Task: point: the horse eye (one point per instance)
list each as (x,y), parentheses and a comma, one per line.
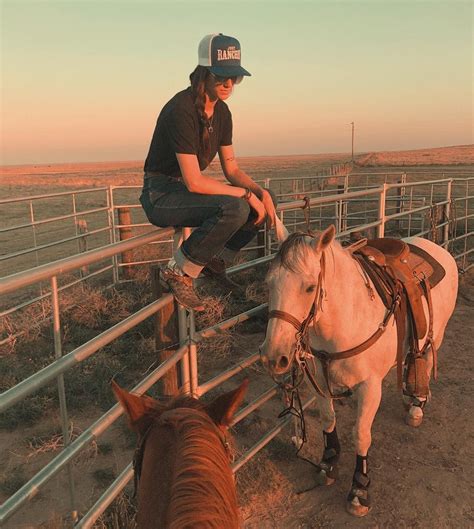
(311,288)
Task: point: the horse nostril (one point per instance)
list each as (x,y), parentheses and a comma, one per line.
(283,362)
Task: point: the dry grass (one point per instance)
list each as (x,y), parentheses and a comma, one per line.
(43,444)
(120,515)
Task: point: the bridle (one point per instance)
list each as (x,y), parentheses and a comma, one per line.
(303,350)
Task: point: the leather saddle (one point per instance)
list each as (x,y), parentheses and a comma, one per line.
(408,264)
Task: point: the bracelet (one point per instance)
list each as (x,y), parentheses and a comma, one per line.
(248,194)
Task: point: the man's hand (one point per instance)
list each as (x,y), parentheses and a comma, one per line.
(269,208)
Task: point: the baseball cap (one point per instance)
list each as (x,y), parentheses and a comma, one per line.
(221,55)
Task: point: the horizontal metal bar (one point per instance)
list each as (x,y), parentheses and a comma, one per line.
(266,439)
(415,184)
(259,401)
(68,285)
(228,373)
(51,244)
(223,325)
(54,219)
(129,206)
(32,487)
(463,236)
(133,263)
(463,199)
(48,373)
(249,264)
(415,210)
(40,273)
(464,253)
(358,228)
(106,499)
(324,200)
(52,195)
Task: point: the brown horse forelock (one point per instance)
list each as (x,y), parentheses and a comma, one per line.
(202,489)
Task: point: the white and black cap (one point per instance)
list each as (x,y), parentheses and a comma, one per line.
(221,55)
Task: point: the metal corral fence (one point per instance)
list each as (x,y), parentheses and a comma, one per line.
(391,210)
(42,228)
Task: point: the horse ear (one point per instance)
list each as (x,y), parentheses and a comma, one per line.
(136,407)
(222,409)
(325,238)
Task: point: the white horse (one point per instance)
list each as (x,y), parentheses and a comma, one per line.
(346,316)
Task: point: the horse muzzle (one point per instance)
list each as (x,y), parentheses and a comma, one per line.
(277,364)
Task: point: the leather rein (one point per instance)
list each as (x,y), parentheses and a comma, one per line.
(303,350)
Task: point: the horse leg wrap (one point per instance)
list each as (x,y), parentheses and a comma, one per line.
(332,449)
(360,482)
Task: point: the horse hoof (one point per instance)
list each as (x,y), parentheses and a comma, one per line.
(414,416)
(355,508)
(323,480)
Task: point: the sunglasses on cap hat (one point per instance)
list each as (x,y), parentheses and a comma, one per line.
(218,79)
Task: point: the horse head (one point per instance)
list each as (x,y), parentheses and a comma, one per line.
(182,462)
(295,287)
(143,410)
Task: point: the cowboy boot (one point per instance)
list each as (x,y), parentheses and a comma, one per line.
(181,286)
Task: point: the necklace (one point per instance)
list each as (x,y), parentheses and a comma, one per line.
(209,124)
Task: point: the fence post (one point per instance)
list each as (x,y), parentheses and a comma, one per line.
(401,194)
(183,326)
(58,353)
(112,234)
(381,217)
(81,226)
(125,232)
(166,335)
(447,213)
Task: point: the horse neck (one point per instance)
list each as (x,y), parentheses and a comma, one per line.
(192,479)
(337,321)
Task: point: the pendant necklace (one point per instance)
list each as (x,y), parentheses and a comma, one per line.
(209,124)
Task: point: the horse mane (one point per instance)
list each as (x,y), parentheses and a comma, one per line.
(202,489)
(294,251)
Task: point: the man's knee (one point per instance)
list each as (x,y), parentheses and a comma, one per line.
(236,210)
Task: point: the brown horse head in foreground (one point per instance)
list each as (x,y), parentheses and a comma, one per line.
(185,477)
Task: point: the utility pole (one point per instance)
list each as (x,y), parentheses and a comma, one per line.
(352,123)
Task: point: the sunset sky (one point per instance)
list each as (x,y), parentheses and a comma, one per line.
(85,80)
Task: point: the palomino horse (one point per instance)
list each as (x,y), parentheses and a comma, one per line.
(182,463)
(317,284)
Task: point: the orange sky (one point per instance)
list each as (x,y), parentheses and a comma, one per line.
(84,81)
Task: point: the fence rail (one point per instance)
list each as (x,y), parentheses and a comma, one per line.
(393,207)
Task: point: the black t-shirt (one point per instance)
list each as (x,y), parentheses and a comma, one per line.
(177,131)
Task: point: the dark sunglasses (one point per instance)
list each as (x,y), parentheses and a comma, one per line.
(236,79)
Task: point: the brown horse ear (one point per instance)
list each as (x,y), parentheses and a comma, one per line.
(325,239)
(222,409)
(136,407)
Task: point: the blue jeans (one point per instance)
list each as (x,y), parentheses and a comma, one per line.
(221,221)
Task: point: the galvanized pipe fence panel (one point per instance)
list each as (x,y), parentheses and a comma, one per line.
(189,340)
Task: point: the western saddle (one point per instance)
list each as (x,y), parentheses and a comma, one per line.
(403,273)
